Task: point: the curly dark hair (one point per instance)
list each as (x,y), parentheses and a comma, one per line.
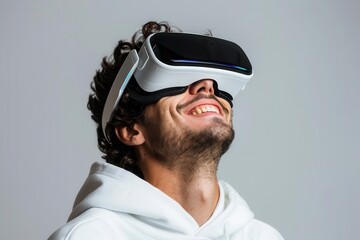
(128,111)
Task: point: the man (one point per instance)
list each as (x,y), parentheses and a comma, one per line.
(164,117)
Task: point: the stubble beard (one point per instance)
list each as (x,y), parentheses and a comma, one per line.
(190,152)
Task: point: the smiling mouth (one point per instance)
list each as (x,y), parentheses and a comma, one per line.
(204,109)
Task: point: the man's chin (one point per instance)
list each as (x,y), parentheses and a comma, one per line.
(221,130)
(211,123)
(217,138)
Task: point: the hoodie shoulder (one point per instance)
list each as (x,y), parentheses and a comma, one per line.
(245,226)
(90,225)
(258,230)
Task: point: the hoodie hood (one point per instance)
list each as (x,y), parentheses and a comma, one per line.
(115,189)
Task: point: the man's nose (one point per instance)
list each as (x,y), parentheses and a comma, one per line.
(203,86)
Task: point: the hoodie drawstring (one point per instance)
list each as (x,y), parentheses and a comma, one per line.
(226,231)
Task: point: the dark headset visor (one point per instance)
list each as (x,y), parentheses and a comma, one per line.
(201,51)
(141,96)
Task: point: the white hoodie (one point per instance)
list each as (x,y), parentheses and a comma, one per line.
(114,204)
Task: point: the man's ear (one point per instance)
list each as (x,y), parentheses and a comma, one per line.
(131,136)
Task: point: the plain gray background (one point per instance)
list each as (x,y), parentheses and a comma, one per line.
(296,155)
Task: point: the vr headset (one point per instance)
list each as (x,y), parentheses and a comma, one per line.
(168,63)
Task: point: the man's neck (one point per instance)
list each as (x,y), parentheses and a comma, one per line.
(197,194)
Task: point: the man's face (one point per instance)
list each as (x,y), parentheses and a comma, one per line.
(195,124)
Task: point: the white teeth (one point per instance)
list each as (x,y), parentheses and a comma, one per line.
(204,109)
